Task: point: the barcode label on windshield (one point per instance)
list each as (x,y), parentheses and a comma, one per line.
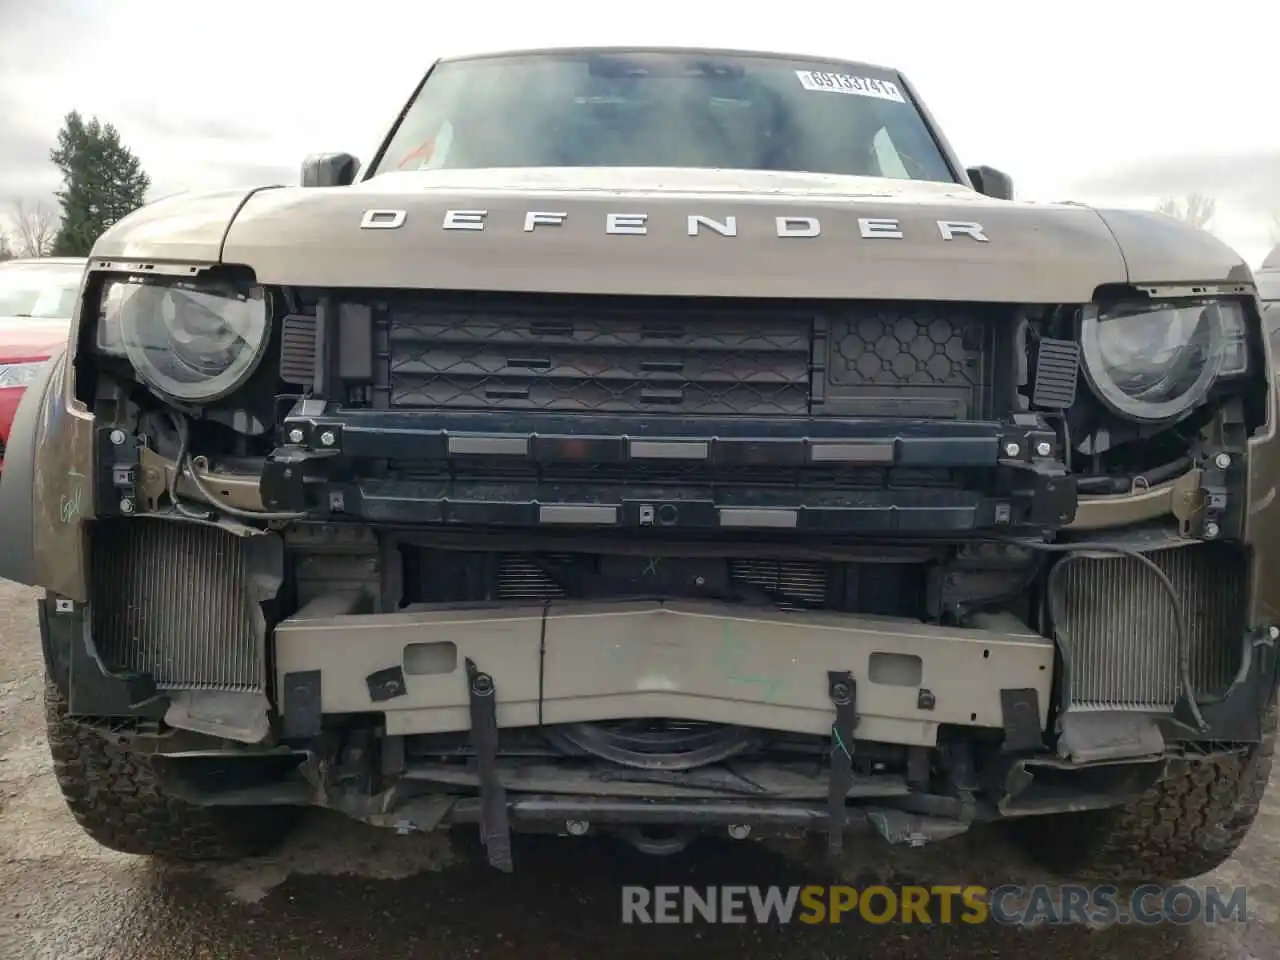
(844,83)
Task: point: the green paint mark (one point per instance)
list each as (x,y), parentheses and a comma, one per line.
(69,507)
(731,659)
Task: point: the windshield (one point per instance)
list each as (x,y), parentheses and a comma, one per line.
(41,291)
(665,109)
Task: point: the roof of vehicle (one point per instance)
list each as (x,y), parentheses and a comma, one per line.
(641,48)
(1272,259)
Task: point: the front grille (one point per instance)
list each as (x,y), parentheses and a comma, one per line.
(172,600)
(1120,630)
(604,357)
(663,356)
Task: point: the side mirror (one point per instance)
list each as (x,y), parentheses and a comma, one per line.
(329,170)
(991,182)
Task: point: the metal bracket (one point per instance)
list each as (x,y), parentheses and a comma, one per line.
(843,691)
(1180,498)
(495,830)
(116,487)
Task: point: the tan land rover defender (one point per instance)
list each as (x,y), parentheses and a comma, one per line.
(658,443)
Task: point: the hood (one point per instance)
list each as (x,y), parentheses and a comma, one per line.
(675,232)
(23,339)
(187,227)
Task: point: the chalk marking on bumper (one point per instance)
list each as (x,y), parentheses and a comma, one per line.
(707,661)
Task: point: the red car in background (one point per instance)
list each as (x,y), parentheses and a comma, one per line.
(37,298)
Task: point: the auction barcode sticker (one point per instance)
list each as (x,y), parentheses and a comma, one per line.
(844,83)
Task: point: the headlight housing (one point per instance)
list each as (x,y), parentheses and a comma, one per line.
(19,374)
(1154,361)
(191,342)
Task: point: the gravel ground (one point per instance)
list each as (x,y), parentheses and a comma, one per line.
(339,889)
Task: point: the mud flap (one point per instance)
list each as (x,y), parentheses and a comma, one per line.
(495,829)
(843,692)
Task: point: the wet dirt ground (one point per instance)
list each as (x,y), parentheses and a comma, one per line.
(338,889)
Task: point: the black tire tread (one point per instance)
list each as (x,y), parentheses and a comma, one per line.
(1189,822)
(115,796)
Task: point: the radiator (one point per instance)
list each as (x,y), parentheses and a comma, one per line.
(1120,631)
(171,600)
(802,584)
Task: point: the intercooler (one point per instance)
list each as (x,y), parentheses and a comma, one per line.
(172,600)
(803,584)
(1120,633)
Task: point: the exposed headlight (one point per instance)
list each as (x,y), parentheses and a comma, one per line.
(194,343)
(1155,361)
(19,374)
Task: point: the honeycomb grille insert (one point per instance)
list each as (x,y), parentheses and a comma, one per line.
(894,346)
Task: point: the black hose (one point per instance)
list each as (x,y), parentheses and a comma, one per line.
(171,478)
(1114,485)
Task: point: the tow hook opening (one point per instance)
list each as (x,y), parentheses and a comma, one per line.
(657,841)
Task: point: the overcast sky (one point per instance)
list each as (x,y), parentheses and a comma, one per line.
(1123,101)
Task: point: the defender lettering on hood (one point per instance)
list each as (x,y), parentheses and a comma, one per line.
(637,224)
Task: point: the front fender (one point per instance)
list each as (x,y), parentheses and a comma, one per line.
(18,482)
(45,494)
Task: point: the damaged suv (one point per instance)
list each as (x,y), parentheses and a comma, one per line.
(657,443)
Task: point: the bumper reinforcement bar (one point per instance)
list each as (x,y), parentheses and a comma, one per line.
(318,468)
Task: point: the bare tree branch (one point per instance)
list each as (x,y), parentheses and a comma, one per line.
(1196,209)
(34,228)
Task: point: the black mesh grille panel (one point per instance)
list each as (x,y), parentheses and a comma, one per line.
(903,359)
(898,345)
(608,357)
(1120,628)
(171,600)
(623,355)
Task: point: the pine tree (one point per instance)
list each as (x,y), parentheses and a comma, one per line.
(102,182)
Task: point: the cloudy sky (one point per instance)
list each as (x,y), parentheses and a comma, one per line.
(1122,101)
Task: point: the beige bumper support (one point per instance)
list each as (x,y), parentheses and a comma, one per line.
(703,661)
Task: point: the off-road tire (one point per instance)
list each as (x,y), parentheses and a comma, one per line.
(1185,825)
(117,799)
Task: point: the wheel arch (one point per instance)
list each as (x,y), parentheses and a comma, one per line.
(18,509)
